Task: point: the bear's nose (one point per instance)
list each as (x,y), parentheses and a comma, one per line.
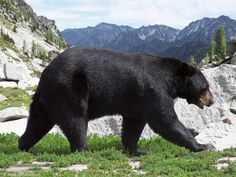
(211,102)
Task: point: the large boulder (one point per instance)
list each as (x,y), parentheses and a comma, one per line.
(9,84)
(221,134)
(32,82)
(111,125)
(2,75)
(3,59)
(16,71)
(222,82)
(18,127)
(13,113)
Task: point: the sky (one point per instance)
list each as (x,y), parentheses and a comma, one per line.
(135,13)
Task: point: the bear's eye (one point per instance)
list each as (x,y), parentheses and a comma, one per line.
(203,91)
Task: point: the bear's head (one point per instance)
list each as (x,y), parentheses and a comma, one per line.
(196,87)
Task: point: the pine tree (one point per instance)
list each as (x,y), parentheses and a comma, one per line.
(2,32)
(192,60)
(33,49)
(221,46)
(24,48)
(207,59)
(14,29)
(212,51)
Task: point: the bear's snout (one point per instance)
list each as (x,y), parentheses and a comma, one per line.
(207,99)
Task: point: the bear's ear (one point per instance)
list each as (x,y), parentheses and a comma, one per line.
(186,70)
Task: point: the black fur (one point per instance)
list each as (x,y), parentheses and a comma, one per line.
(83,84)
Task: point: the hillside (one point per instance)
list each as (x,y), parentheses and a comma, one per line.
(26,37)
(157,39)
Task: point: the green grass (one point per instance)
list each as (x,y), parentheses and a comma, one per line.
(16,98)
(105,157)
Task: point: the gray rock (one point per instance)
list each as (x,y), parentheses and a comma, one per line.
(221,135)
(37,64)
(23,84)
(18,127)
(2,98)
(233,60)
(111,125)
(13,113)
(16,71)
(76,167)
(222,82)
(2,75)
(2,61)
(9,84)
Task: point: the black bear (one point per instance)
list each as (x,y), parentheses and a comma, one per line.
(83,84)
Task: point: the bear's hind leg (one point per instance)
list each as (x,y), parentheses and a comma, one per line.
(131,132)
(75,130)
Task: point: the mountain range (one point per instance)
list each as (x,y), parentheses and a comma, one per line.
(157,39)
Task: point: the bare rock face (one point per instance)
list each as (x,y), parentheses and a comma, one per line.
(222,82)
(16,71)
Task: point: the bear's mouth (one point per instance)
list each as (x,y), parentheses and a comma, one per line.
(200,103)
(197,102)
(203,100)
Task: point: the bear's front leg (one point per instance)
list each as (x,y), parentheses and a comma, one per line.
(161,117)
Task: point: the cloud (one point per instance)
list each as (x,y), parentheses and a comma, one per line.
(34,3)
(175,13)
